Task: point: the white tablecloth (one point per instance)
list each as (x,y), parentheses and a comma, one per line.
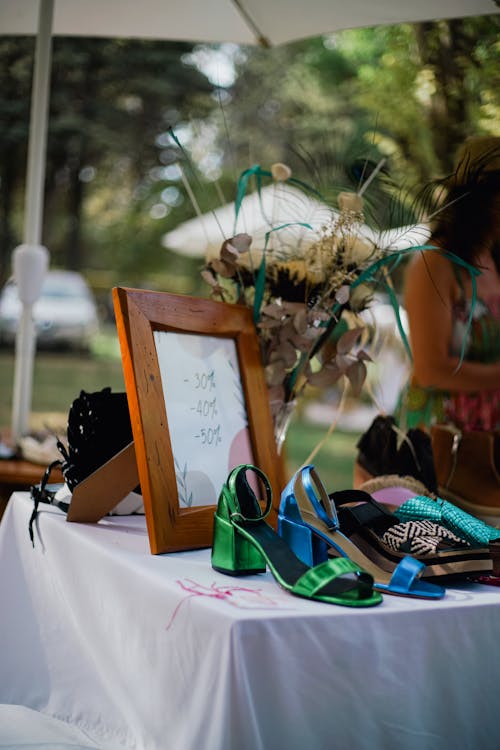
(161,652)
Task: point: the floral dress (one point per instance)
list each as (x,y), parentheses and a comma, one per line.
(468,411)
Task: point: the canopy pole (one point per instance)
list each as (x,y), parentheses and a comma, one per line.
(30,260)
(37,145)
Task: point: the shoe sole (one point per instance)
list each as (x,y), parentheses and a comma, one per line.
(454,562)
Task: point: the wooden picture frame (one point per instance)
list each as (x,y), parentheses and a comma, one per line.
(177,407)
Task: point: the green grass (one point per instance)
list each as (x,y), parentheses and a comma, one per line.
(58,379)
(334,462)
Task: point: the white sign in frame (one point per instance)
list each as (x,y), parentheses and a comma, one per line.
(207,414)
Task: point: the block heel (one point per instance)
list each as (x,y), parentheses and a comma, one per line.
(232,554)
(306,545)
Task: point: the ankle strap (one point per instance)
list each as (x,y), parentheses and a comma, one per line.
(244,495)
(367,512)
(306,483)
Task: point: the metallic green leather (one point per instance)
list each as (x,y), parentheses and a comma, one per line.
(317,578)
(232,553)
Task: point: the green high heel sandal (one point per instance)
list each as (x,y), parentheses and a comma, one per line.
(244,543)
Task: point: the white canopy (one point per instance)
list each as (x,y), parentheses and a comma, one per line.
(239,21)
(278,204)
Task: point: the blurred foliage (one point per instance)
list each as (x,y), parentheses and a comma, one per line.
(334,462)
(111,100)
(409,93)
(328,106)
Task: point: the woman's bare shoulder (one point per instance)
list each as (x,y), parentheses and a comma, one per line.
(432,266)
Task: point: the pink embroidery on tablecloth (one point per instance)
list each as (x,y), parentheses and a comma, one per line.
(237,596)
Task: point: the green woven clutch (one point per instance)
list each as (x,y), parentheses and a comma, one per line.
(472,529)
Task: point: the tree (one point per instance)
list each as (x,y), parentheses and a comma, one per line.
(409,93)
(427,86)
(327,106)
(16,56)
(461,60)
(110,100)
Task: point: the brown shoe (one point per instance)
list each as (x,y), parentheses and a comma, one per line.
(466,470)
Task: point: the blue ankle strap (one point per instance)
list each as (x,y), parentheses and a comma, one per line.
(309,478)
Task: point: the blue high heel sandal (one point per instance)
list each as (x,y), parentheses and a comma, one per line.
(308,522)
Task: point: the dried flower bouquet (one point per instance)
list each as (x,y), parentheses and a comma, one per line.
(305,301)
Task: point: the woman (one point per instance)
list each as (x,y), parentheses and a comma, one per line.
(455,381)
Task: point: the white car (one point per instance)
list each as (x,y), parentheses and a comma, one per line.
(65,314)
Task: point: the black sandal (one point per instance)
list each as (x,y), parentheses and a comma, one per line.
(379,454)
(383,538)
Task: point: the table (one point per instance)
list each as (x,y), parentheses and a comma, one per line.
(157,652)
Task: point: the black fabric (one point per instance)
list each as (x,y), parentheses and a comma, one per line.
(368,514)
(418,463)
(377,447)
(379,454)
(98,428)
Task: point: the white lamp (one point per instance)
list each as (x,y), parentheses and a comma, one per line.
(30,263)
